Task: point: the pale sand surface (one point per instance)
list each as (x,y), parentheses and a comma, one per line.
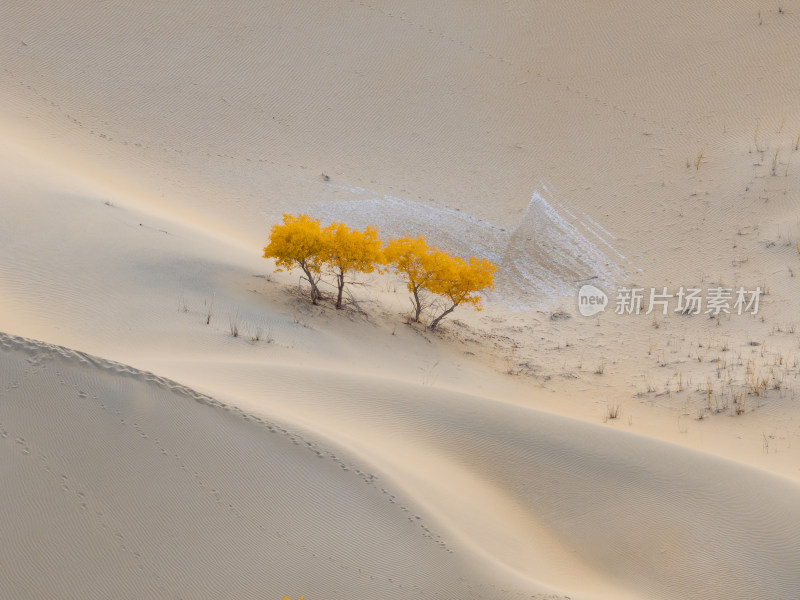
(146,151)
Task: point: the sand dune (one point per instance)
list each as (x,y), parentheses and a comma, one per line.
(607,504)
(122,484)
(147,452)
(143,477)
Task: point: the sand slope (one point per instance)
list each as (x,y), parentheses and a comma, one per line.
(121,484)
(182,496)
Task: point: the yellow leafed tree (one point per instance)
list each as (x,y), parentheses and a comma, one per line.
(298,242)
(459,281)
(347,251)
(411,257)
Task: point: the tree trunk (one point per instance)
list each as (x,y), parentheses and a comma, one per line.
(312,283)
(340,284)
(442,316)
(417,305)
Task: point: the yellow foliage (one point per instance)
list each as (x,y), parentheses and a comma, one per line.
(426,268)
(298,242)
(408,255)
(460,280)
(411,257)
(348,250)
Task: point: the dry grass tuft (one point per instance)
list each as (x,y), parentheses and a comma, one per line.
(613,411)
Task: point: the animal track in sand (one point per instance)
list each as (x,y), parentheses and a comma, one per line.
(40,353)
(83,502)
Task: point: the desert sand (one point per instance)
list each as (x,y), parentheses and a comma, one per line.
(524,451)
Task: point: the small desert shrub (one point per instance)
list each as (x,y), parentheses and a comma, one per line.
(601,367)
(233,322)
(209,308)
(613,411)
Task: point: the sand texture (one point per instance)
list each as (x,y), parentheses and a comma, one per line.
(522,452)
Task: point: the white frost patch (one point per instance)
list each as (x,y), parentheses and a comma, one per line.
(548,254)
(458,232)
